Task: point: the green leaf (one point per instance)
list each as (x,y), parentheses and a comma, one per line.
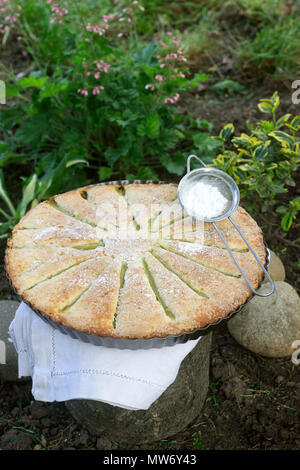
(286,221)
(5,228)
(146,55)
(4,195)
(112,155)
(244,140)
(28,195)
(131,176)
(70,163)
(32,82)
(282,137)
(294,124)
(202,124)
(260,152)
(150,127)
(282,120)
(146,173)
(12,90)
(265,107)
(175,164)
(104,173)
(33,131)
(268,126)
(53,90)
(198,78)
(227,86)
(227,131)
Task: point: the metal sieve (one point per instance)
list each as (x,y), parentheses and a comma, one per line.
(230,191)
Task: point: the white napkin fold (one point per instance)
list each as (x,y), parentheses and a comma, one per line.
(63,368)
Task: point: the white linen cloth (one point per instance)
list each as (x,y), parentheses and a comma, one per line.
(63,368)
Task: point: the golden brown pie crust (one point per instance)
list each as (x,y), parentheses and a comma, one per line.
(68,258)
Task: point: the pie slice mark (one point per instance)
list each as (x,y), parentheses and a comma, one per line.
(170,213)
(53,295)
(122,280)
(111,206)
(27,260)
(219,259)
(146,201)
(60,262)
(204,279)
(155,290)
(211,257)
(211,238)
(101,217)
(179,229)
(46,214)
(57,269)
(94,309)
(73,204)
(54,236)
(139,310)
(176,295)
(157,252)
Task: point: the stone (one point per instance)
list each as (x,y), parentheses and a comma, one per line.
(8,354)
(275,269)
(176,408)
(269,325)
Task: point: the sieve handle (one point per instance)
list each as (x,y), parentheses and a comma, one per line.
(189,162)
(237,264)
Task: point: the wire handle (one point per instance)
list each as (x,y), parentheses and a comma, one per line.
(237,264)
(189,162)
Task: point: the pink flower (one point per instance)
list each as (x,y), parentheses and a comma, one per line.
(176,42)
(172,100)
(149,86)
(159,78)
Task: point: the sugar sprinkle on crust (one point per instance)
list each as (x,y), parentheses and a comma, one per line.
(124,261)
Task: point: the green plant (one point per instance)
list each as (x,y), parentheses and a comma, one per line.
(98,98)
(289,213)
(34,190)
(227,86)
(274,49)
(198,441)
(264,161)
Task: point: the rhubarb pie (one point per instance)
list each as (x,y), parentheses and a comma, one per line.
(125,261)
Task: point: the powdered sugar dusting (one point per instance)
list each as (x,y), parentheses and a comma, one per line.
(205,198)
